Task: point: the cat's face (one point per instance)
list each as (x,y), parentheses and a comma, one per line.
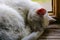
(39,18)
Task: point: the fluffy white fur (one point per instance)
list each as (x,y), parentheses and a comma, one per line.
(11,23)
(19,5)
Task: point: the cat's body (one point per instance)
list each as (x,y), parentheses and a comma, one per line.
(11,23)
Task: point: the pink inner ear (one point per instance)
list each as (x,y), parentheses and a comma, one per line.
(41,11)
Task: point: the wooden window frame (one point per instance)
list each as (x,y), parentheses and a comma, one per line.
(54,8)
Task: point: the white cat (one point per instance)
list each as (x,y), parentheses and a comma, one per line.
(23,14)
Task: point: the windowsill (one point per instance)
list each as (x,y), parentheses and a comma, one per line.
(52,14)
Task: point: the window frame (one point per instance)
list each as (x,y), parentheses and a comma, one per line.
(54,8)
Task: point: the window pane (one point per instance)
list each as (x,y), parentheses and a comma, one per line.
(46,3)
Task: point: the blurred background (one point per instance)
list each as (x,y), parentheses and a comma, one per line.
(45,3)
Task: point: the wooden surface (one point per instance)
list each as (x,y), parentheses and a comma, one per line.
(52,33)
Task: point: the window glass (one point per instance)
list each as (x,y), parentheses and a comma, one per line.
(45,3)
